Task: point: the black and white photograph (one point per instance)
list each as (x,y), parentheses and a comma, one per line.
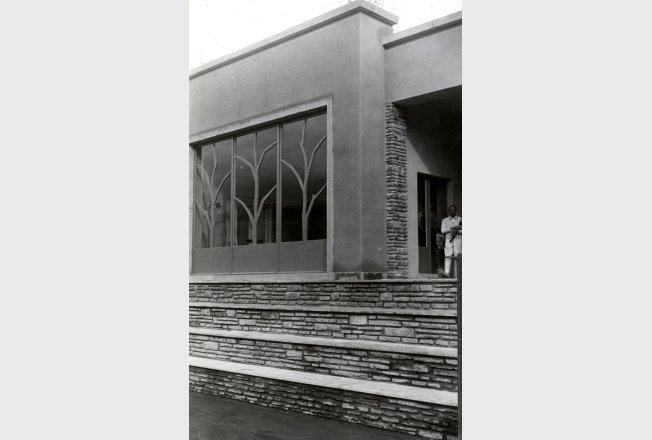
(326,222)
(242,220)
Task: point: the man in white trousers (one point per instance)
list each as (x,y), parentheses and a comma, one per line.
(451,226)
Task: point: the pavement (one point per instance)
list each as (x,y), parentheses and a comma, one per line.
(217,418)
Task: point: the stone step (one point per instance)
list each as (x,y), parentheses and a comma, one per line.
(422,366)
(417,411)
(377,324)
(404,392)
(392,347)
(326,308)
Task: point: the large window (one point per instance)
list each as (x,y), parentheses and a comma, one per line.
(260,200)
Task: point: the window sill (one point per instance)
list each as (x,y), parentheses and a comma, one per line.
(310,277)
(264,277)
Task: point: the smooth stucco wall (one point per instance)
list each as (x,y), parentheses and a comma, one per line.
(343,61)
(372,141)
(425,64)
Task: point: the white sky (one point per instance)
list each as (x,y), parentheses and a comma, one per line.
(219,27)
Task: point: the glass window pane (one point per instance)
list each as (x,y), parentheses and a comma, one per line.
(237,179)
(304,179)
(212,198)
(292,195)
(255,192)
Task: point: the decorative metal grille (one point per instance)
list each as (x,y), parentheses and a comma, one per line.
(231,173)
(212,212)
(257,205)
(302,180)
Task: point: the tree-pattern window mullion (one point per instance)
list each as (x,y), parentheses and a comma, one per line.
(212,202)
(255,165)
(262,187)
(304,176)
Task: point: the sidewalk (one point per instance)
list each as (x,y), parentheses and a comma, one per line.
(217,418)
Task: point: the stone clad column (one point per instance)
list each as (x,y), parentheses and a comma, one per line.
(396,201)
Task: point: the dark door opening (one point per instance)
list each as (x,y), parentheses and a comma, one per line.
(431,195)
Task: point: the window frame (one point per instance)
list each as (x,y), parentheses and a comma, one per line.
(233,131)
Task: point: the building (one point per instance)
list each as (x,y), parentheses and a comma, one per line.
(322,162)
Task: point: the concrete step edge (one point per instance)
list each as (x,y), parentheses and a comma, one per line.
(357,344)
(448,313)
(445,398)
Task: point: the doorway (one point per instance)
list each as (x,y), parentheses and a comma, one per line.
(431,193)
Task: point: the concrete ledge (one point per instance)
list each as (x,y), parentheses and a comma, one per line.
(385,389)
(328,309)
(422,30)
(310,278)
(296,31)
(305,277)
(391,347)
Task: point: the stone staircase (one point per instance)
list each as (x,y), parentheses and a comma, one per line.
(379,353)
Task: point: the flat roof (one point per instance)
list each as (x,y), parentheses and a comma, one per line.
(293,32)
(422,29)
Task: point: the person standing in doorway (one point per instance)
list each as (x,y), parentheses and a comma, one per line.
(451,226)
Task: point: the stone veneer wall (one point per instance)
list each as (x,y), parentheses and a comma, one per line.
(408,329)
(410,294)
(396,163)
(415,312)
(425,420)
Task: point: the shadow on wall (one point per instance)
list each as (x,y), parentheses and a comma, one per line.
(434,138)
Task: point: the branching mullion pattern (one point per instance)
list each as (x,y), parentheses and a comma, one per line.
(202,214)
(312,201)
(219,188)
(303,181)
(312,155)
(257,207)
(209,195)
(211,178)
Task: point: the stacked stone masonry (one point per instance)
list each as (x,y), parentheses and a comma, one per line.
(396,201)
(404,294)
(424,420)
(419,313)
(425,330)
(423,371)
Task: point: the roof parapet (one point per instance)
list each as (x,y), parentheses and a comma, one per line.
(296,31)
(422,29)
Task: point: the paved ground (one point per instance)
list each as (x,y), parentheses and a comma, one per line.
(215,418)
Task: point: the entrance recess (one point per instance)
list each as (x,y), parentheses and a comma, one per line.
(431,195)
